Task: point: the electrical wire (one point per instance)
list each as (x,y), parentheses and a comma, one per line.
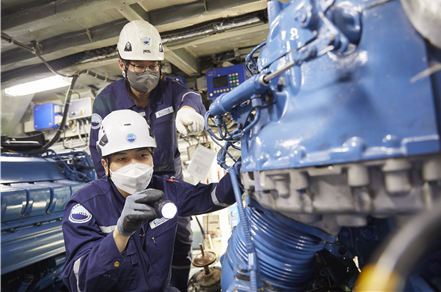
(79,133)
(74,77)
(86,143)
(79,175)
(83,122)
(200,226)
(251,65)
(64,140)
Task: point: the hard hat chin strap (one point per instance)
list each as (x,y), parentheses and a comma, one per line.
(124,73)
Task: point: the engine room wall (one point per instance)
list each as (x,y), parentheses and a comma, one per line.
(13,112)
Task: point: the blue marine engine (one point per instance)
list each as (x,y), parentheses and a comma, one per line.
(338,128)
(34,192)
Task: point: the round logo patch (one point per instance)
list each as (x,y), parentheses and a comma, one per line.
(96,121)
(131,138)
(79,214)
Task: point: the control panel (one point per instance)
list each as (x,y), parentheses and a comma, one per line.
(221,80)
(47,116)
(80,108)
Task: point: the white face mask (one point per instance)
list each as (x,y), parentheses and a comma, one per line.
(132,178)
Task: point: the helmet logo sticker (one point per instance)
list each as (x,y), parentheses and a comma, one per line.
(128,47)
(161,49)
(146,41)
(131,138)
(96,121)
(79,214)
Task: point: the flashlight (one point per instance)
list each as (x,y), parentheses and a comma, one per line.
(165,208)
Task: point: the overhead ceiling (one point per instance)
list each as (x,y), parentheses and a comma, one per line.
(74,35)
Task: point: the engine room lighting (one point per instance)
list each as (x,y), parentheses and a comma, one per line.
(38,86)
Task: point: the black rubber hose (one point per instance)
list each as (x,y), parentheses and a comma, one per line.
(200,226)
(413,241)
(417,239)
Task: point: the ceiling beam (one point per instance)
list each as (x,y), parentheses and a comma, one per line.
(183,60)
(51,13)
(79,39)
(133,12)
(55,47)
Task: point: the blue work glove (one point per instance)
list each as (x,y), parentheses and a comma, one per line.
(188,121)
(137,211)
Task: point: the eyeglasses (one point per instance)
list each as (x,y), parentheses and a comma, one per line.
(140,69)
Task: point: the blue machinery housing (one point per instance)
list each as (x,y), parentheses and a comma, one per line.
(338,128)
(34,193)
(339,134)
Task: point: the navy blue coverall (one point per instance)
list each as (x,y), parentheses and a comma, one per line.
(94,262)
(164,102)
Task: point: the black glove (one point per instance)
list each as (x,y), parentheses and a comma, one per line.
(137,212)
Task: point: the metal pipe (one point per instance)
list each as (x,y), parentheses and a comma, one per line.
(267,78)
(12,41)
(213,28)
(226,102)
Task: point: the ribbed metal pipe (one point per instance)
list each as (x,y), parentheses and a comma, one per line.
(285,252)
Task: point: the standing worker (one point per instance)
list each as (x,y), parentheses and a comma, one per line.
(166,104)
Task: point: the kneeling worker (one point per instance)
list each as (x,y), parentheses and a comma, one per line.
(113,242)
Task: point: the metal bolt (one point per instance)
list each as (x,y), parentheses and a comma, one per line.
(302,18)
(367,233)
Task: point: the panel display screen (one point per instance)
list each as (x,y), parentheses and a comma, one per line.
(221,81)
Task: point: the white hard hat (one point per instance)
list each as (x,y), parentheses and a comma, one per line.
(139,40)
(124,130)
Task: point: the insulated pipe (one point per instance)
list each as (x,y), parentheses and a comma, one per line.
(213,28)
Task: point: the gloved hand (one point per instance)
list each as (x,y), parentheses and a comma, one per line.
(137,212)
(188,121)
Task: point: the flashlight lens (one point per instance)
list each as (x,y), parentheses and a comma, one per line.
(169,210)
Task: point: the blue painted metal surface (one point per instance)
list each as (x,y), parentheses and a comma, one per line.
(337,81)
(233,215)
(38,198)
(34,192)
(14,203)
(317,112)
(32,244)
(224,79)
(60,194)
(15,169)
(285,250)
(45,116)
